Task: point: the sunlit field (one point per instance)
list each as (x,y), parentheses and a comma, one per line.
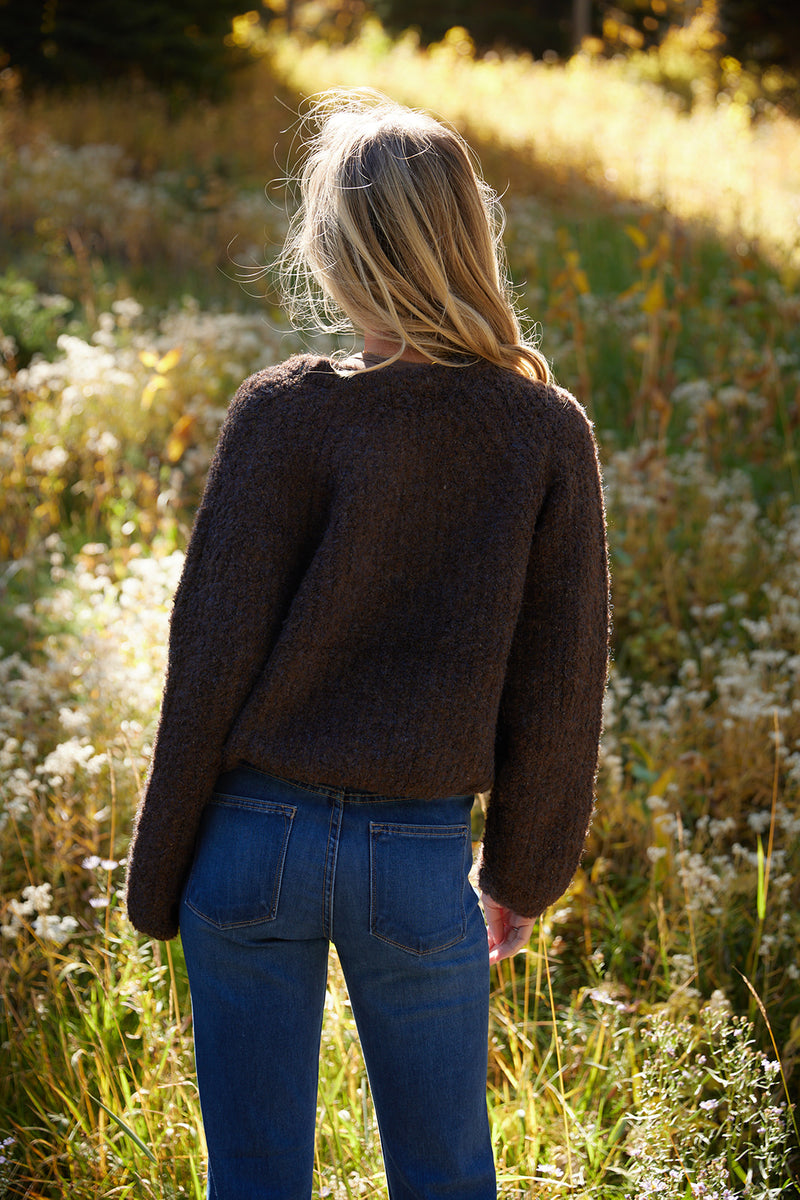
(596,120)
(648,1042)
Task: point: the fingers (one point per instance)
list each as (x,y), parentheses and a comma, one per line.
(495,921)
(507,931)
(516,938)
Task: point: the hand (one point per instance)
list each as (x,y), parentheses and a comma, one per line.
(508,931)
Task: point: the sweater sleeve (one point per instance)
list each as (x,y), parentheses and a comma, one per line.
(227,607)
(550,713)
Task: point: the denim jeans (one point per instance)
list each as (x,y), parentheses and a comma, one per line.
(279,871)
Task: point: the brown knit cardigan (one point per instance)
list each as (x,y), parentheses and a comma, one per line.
(397,582)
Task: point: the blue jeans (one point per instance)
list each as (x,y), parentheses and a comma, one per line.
(279,871)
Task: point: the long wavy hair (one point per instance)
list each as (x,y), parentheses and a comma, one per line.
(398,235)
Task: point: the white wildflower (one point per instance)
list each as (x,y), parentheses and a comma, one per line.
(718,1004)
(37,898)
(126,310)
(722,828)
(758,821)
(51,928)
(656,803)
(51,461)
(683,968)
(73,720)
(66,759)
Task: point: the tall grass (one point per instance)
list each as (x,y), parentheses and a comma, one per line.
(647,1043)
(592,120)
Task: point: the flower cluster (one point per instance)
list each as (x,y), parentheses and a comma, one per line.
(124,423)
(36,902)
(709,1100)
(90,198)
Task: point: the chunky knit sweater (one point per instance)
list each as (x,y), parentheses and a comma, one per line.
(396,583)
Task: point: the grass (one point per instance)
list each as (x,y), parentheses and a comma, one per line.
(647,1043)
(592,120)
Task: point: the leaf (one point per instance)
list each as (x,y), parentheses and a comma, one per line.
(148,358)
(644,754)
(152,386)
(126,1129)
(637,236)
(662,783)
(179,438)
(581,281)
(633,290)
(655,300)
(170,359)
(658,253)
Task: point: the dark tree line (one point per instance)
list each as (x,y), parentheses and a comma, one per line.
(168,42)
(757,32)
(762,32)
(183,42)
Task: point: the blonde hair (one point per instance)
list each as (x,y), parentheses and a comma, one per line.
(399,236)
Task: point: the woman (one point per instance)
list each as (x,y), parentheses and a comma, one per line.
(395,597)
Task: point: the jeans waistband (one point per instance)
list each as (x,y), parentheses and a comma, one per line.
(348,795)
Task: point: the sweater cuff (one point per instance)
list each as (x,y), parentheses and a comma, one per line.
(497,893)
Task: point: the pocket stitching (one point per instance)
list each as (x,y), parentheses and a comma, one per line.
(288,812)
(230,800)
(441,831)
(437,831)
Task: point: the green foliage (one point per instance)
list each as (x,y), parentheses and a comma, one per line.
(30,321)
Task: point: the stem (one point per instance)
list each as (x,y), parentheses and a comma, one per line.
(562,1097)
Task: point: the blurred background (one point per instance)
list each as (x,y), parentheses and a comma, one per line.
(648,155)
(190,43)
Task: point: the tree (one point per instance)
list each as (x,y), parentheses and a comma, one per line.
(581,21)
(72,41)
(535,25)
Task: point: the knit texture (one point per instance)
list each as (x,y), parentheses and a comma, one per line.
(396,583)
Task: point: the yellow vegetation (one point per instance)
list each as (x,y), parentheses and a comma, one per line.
(716,164)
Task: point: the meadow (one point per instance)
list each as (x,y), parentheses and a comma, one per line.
(647,1044)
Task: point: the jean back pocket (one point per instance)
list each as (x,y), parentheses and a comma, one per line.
(417,879)
(238,865)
